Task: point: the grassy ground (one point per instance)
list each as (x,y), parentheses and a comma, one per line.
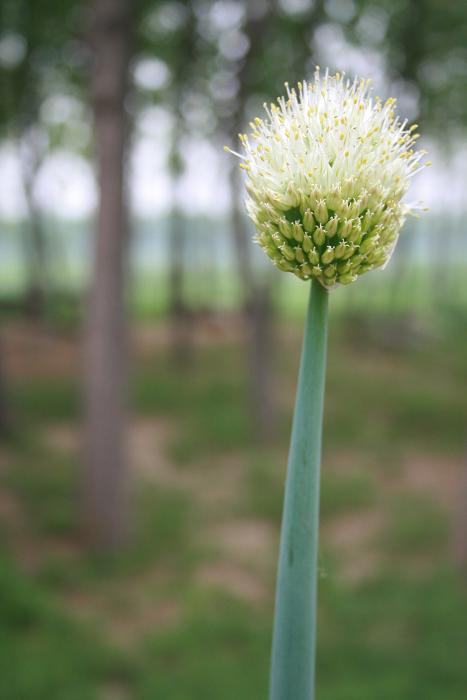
(185,612)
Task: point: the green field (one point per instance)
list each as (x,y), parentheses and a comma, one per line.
(185,612)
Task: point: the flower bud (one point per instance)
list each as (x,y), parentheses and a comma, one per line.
(350,250)
(354,208)
(355,235)
(375,231)
(364,199)
(297,231)
(388,235)
(290,198)
(376,257)
(348,186)
(331,226)
(299,254)
(345,228)
(356,260)
(287,252)
(367,245)
(366,220)
(334,198)
(308,221)
(277,239)
(328,255)
(347,278)
(314,195)
(284,265)
(319,235)
(285,227)
(344,267)
(307,243)
(377,213)
(313,256)
(343,209)
(341,249)
(321,212)
(317,270)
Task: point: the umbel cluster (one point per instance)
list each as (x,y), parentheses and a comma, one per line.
(326,173)
(332,238)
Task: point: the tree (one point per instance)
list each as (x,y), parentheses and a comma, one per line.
(38,31)
(105,501)
(182,61)
(34,31)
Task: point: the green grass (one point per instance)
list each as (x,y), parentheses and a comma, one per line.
(394,638)
(391,638)
(47,486)
(44,399)
(417,526)
(263,492)
(385,397)
(385,640)
(346,493)
(46,654)
(220,651)
(208,398)
(45,483)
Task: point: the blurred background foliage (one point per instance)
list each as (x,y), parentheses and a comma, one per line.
(140,500)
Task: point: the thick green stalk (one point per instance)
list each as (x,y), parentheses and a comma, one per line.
(294,641)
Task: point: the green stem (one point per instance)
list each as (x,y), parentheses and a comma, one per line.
(294,640)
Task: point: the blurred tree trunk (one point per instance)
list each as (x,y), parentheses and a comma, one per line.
(181,321)
(6,413)
(460,529)
(34,238)
(261,348)
(32,149)
(177,243)
(180,314)
(257,290)
(240,235)
(105,503)
(258,309)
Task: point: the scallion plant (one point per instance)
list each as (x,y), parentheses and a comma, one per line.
(326,174)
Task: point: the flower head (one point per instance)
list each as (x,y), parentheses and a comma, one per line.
(326,174)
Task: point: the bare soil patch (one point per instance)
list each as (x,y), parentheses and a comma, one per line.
(33,350)
(439,477)
(125,613)
(234,579)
